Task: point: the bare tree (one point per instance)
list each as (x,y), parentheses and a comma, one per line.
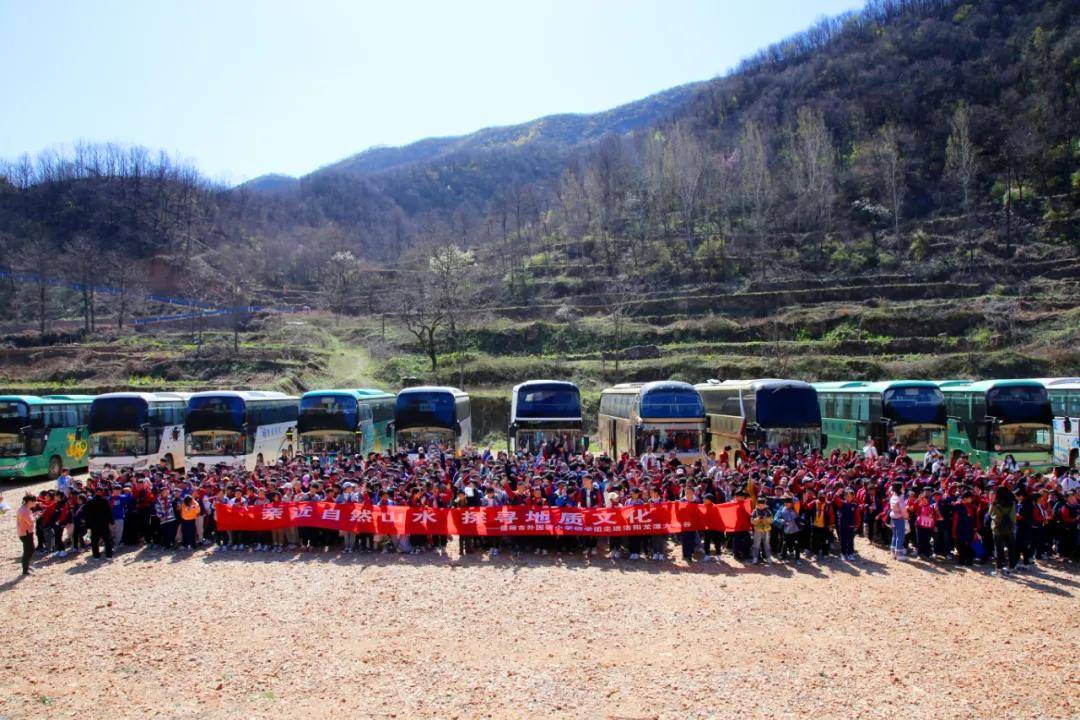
(36,255)
(685,167)
(81,260)
(454,281)
(621,298)
(421,311)
(890,169)
(811,160)
(962,161)
(123,277)
(340,276)
(755,179)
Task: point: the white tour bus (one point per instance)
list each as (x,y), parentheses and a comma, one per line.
(242,429)
(1064,396)
(137,430)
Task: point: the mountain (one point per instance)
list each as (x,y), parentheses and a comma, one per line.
(931,143)
(271,183)
(559,131)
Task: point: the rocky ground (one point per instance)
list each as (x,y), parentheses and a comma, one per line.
(254,635)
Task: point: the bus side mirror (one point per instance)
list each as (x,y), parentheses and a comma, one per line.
(585,440)
(824,441)
(1068,425)
(457,429)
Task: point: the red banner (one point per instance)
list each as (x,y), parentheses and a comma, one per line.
(653,519)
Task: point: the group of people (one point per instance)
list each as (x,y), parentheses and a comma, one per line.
(804,505)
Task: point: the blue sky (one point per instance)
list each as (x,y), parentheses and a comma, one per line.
(243,88)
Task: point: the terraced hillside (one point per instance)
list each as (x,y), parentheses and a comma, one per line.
(1011,318)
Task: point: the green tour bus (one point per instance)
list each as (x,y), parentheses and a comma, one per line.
(909,412)
(42,435)
(346,422)
(1064,394)
(992,419)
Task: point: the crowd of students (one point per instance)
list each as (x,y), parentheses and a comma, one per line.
(803,505)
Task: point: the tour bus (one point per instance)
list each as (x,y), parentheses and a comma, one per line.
(241,429)
(42,435)
(657,417)
(991,419)
(545,411)
(347,422)
(909,412)
(433,415)
(765,413)
(1064,394)
(137,430)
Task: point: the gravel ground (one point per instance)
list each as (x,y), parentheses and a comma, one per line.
(230,635)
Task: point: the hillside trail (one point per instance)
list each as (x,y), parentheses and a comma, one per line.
(348,365)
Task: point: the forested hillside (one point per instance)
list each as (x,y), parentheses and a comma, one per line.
(914,151)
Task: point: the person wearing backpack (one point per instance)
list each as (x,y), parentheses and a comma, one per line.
(1002,514)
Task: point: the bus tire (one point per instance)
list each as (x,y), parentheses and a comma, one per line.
(169,464)
(55,466)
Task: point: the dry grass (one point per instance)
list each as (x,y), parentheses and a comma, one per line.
(212,635)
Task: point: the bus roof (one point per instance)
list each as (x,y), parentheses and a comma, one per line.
(245,394)
(1065,383)
(870,386)
(755,384)
(639,387)
(358,393)
(550,383)
(433,388)
(983,385)
(148,396)
(43,399)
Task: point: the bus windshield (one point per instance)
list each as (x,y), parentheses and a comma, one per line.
(548,402)
(330,442)
(671,404)
(116,414)
(788,407)
(215,442)
(11,444)
(1021,438)
(14,416)
(215,412)
(534,440)
(919,405)
(117,443)
(1019,404)
(327,412)
(425,409)
(671,440)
